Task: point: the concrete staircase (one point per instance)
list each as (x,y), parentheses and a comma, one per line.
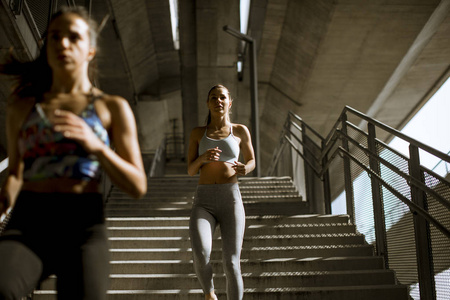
(287,254)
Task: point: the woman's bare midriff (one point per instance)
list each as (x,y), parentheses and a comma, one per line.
(217,173)
(62,185)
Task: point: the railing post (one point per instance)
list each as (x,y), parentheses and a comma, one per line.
(309,180)
(326,183)
(378,207)
(422,231)
(290,154)
(347,173)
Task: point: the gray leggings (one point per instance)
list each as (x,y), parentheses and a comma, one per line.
(218,204)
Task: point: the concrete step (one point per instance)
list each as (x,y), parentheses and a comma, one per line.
(264,220)
(265,279)
(152,194)
(250,265)
(288,185)
(268,181)
(194,179)
(167,196)
(113,205)
(281,208)
(251,209)
(168,189)
(147,221)
(294,252)
(249,220)
(252,230)
(272,199)
(249,197)
(126,212)
(180,181)
(252,241)
(385,292)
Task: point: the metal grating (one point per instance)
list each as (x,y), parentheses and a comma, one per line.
(400,239)
(364,218)
(337,182)
(440,243)
(40,12)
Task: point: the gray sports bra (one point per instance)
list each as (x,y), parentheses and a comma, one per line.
(228,145)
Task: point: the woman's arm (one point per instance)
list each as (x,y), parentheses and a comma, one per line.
(124,165)
(16,113)
(242,132)
(196,161)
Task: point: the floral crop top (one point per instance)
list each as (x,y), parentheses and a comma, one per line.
(46,153)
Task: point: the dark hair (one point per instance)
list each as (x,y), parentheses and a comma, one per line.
(217,86)
(33,78)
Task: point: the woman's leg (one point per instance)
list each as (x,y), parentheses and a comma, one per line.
(21,266)
(83,271)
(232,226)
(20,269)
(95,255)
(201,229)
(82,263)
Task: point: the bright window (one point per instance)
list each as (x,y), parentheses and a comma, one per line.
(174,20)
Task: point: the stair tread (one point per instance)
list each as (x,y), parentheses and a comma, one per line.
(262,274)
(253,237)
(251,227)
(246,260)
(150,241)
(251,290)
(273,248)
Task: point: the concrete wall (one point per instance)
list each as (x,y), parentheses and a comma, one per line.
(152,118)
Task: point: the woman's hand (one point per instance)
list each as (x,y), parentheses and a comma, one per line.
(240,168)
(75,128)
(212,154)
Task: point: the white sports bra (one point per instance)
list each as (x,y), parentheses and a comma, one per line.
(228,145)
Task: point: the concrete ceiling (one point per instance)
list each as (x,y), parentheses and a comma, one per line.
(381,57)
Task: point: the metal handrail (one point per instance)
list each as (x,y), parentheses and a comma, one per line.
(302,156)
(399,134)
(306,125)
(285,130)
(336,132)
(319,162)
(158,161)
(448,171)
(411,180)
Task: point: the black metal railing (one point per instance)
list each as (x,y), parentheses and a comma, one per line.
(174,146)
(401,206)
(157,167)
